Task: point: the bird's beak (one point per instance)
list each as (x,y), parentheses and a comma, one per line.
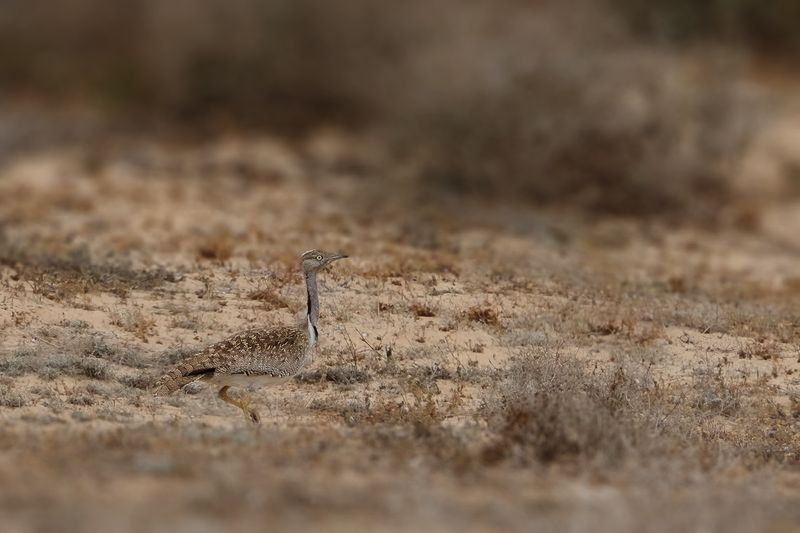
(336,257)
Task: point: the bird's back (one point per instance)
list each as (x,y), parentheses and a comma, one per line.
(277,353)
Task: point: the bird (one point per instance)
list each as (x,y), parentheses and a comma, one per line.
(256,357)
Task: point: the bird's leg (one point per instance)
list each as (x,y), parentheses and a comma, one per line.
(250,413)
(242,403)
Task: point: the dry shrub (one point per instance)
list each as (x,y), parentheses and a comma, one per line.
(713,392)
(59,272)
(760,350)
(794,403)
(94,368)
(270,299)
(133,320)
(614,133)
(340,375)
(769,27)
(10,397)
(175,354)
(641,332)
(50,365)
(724,309)
(218,247)
(483,314)
(422,309)
(552,408)
(71,351)
(186,321)
(141,381)
(289,62)
(418,412)
(99,346)
(585,115)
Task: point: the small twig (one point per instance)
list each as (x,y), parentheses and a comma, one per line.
(660,423)
(364,339)
(39,339)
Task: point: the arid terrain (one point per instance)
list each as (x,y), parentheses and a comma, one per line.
(572,297)
(481,367)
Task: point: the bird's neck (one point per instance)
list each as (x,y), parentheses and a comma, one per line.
(312,306)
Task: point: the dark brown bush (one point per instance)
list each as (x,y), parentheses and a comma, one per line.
(341,375)
(59,272)
(613,133)
(288,63)
(270,299)
(538,102)
(422,309)
(769,27)
(552,408)
(484,314)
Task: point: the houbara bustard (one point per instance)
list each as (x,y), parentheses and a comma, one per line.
(259,356)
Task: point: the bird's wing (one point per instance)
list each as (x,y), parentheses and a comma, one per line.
(273,351)
(234,355)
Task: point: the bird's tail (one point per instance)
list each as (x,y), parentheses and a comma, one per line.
(170,382)
(187,371)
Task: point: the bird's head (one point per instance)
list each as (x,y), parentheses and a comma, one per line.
(313,260)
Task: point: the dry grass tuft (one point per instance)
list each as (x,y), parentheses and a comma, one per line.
(270,299)
(133,320)
(641,332)
(551,408)
(95,368)
(422,309)
(217,247)
(62,273)
(759,350)
(50,366)
(483,314)
(713,392)
(340,375)
(12,398)
(142,381)
(554,408)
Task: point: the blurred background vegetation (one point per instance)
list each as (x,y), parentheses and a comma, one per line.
(764,27)
(610,106)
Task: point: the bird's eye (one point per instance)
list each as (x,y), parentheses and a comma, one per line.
(319,258)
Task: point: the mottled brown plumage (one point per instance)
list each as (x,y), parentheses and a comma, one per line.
(256,356)
(275,353)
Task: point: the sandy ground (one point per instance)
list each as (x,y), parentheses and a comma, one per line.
(432,306)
